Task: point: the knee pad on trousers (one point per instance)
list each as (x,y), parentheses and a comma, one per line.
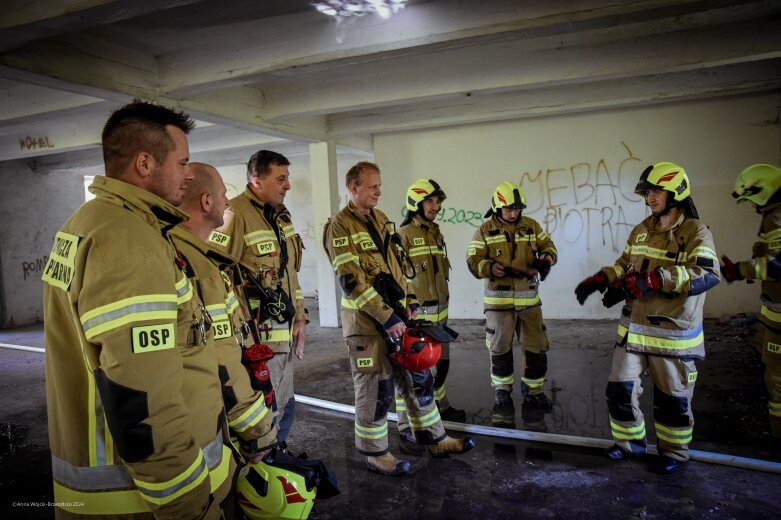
(536,364)
(619,400)
(502,364)
(443,366)
(423,386)
(670,410)
(384,398)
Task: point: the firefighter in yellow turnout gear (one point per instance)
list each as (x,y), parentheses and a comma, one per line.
(256,230)
(513,253)
(360,243)
(425,245)
(668,264)
(205,202)
(133,391)
(759,184)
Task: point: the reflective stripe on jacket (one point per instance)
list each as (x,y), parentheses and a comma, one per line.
(130,380)
(668,323)
(426,248)
(516,245)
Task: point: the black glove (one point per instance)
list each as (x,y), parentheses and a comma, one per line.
(542,267)
(512,272)
(614,294)
(596,282)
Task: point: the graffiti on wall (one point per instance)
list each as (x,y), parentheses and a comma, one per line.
(35,143)
(582,201)
(34,267)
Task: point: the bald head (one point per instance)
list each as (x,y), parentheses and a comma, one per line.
(205,199)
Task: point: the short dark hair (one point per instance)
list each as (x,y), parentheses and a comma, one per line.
(139,126)
(260,161)
(354,174)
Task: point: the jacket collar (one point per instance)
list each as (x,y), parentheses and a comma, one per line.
(418,220)
(361,216)
(652,223)
(156,211)
(220,258)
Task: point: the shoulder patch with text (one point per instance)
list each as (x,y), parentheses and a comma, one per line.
(364,362)
(368,244)
(221,239)
(418,241)
(775,348)
(62,261)
(341,242)
(152,338)
(222,329)
(265,248)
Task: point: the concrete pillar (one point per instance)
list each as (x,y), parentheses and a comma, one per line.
(325,200)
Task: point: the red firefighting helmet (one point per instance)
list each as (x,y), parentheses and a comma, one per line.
(418,350)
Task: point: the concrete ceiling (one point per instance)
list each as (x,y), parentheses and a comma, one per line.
(277,73)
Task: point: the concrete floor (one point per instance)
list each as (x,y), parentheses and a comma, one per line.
(501,478)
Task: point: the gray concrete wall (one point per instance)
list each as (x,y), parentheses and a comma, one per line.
(34,203)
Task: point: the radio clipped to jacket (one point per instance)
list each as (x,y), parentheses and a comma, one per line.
(273,303)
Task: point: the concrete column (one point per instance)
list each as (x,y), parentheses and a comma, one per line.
(325,201)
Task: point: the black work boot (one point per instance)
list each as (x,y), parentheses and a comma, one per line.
(408,444)
(504,410)
(539,401)
(452,414)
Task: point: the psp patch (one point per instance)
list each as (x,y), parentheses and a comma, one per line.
(642,237)
(265,248)
(692,377)
(364,362)
(774,348)
(221,239)
(340,242)
(152,338)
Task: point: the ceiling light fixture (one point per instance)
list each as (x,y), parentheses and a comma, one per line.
(341,9)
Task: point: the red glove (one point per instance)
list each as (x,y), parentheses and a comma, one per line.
(255,360)
(729,270)
(598,282)
(637,283)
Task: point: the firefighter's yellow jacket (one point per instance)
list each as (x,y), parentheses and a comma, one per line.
(765,250)
(516,245)
(357,260)
(246,409)
(426,248)
(133,392)
(669,323)
(248,234)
